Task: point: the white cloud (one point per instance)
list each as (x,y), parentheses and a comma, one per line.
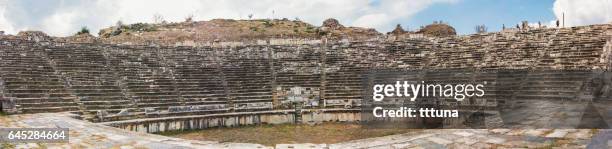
(372,20)
(583,12)
(390,12)
(64,17)
(4,23)
(59,23)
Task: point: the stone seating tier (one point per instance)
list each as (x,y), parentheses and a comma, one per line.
(131,81)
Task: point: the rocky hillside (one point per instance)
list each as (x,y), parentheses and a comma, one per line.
(438,30)
(229,30)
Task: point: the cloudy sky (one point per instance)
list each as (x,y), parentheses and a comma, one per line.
(65,17)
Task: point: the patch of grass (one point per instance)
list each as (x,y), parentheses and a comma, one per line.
(254,29)
(287,133)
(7,146)
(2,113)
(309,29)
(322,33)
(41,145)
(552,144)
(594,131)
(547,146)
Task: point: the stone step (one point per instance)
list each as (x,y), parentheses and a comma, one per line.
(39,109)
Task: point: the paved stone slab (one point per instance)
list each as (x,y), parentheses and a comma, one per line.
(301,146)
(439,140)
(500,131)
(557,134)
(495,140)
(90,135)
(403,145)
(463,133)
(536,132)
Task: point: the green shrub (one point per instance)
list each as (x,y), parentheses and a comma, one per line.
(142,27)
(84,30)
(322,33)
(309,29)
(7,145)
(253,28)
(267,23)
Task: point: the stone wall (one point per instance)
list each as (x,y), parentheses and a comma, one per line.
(233,120)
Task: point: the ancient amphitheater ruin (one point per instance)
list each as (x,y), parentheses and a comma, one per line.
(106,93)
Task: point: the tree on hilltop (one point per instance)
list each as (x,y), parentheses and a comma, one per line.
(189,18)
(480,29)
(84,30)
(158,18)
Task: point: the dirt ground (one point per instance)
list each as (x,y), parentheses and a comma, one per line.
(288,133)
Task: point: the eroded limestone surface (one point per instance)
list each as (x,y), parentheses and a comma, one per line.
(85,134)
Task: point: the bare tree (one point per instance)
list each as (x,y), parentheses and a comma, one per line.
(480,29)
(189,18)
(158,18)
(525,25)
(117,29)
(119,24)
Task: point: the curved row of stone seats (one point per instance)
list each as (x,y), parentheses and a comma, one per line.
(248,75)
(343,80)
(346,66)
(455,54)
(506,82)
(298,74)
(146,79)
(554,85)
(409,53)
(30,79)
(565,48)
(167,82)
(87,73)
(197,75)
